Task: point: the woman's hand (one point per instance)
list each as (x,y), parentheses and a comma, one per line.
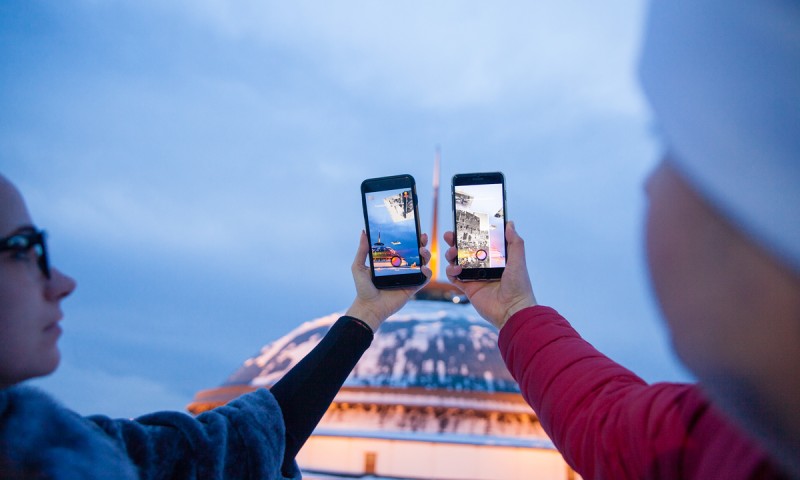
(497,301)
(373,305)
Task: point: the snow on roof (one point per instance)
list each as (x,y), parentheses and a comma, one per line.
(427,344)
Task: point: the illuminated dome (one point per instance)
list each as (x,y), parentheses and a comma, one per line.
(429,345)
(432,385)
(436,342)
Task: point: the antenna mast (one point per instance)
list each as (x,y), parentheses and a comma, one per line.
(434,240)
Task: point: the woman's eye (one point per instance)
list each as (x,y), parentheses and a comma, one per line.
(20,247)
(21,254)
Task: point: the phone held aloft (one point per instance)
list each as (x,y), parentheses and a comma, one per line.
(479,206)
(392,223)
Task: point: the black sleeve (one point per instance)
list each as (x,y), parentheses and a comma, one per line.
(307,390)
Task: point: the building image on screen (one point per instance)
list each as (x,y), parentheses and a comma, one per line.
(479,226)
(392,232)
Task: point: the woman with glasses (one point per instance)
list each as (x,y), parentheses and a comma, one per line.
(255,436)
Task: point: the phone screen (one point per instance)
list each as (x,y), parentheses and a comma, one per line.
(479,211)
(393,231)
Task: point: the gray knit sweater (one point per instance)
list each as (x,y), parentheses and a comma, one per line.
(41,439)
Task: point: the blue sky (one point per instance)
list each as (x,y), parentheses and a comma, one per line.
(185,157)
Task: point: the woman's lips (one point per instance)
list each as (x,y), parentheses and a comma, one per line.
(54,327)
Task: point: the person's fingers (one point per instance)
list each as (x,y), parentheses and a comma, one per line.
(451,271)
(426,255)
(426,270)
(361,253)
(449,238)
(424,252)
(450,254)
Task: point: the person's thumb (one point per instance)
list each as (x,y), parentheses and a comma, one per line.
(516,246)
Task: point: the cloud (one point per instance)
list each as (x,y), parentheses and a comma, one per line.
(197,161)
(198,157)
(450,54)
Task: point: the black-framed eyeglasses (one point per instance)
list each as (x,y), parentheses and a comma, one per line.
(23,242)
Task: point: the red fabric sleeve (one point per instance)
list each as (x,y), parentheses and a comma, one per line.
(607,422)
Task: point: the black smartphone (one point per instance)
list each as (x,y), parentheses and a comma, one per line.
(392,220)
(479,206)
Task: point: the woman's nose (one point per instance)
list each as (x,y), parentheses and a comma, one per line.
(60,285)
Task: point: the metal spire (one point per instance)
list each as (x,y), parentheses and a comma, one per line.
(434,240)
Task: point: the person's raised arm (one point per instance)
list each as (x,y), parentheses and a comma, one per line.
(259,434)
(373,305)
(306,391)
(496,301)
(604,419)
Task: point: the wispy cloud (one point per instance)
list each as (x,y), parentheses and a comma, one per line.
(211,152)
(451,54)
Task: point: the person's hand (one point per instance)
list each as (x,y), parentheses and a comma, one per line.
(373,305)
(496,301)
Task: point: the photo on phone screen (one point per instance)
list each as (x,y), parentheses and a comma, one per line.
(479,218)
(392,224)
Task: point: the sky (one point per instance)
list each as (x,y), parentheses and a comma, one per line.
(197,165)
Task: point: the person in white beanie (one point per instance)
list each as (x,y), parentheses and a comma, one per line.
(723,249)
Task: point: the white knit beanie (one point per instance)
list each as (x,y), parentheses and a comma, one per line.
(723,77)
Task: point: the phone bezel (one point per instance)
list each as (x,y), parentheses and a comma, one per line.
(380,184)
(482,178)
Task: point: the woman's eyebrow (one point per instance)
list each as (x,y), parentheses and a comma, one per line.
(26,228)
